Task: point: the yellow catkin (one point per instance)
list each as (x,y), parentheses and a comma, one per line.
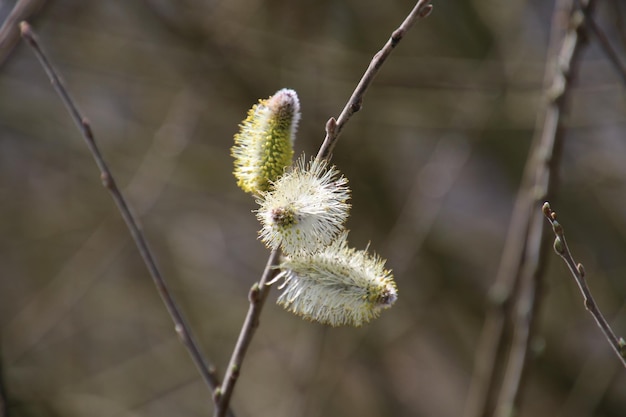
(264,144)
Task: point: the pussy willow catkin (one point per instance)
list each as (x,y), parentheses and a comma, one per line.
(264,144)
(336,286)
(305,209)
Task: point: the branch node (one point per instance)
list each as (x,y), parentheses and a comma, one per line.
(581,270)
(558,246)
(107,181)
(426,10)
(331,127)
(356,106)
(217,395)
(558,229)
(84,122)
(396,37)
(621,343)
(253,295)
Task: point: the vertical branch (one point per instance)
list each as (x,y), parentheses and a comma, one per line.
(260,290)
(502,355)
(182,328)
(4,402)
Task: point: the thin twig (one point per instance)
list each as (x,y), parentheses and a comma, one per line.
(335,126)
(578,272)
(260,290)
(182,328)
(257,296)
(9,32)
(502,354)
(605,44)
(4,402)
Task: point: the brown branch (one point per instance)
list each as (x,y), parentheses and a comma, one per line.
(605,44)
(257,296)
(335,126)
(578,272)
(502,353)
(260,290)
(10,32)
(4,401)
(182,328)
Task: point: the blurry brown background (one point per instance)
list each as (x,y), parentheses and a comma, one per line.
(434,161)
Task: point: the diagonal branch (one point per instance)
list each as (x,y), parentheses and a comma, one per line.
(335,126)
(206,370)
(605,44)
(578,272)
(260,290)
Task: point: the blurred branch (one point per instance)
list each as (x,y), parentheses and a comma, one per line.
(502,352)
(605,44)
(182,328)
(3,392)
(619,19)
(9,32)
(335,126)
(578,272)
(260,290)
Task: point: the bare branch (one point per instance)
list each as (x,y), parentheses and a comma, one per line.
(605,44)
(578,272)
(10,32)
(335,126)
(4,406)
(257,296)
(206,370)
(260,290)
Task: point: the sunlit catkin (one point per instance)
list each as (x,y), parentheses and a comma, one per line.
(336,286)
(305,209)
(264,144)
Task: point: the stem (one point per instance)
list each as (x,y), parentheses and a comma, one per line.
(335,126)
(605,44)
(183,330)
(503,350)
(578,272)
(259,291)
(257,296)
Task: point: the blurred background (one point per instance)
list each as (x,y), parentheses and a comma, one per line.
(434,159)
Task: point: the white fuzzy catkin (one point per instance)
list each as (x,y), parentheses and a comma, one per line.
(305,209)
(336,286)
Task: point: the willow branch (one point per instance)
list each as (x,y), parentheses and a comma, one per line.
(182,328)
(10,32)
(260,290)
(4,401)
(605,44)
(578,272)
(335,126)
(257,296)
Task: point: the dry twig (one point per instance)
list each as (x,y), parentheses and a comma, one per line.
(578,272)
(260,290)
(182,328)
